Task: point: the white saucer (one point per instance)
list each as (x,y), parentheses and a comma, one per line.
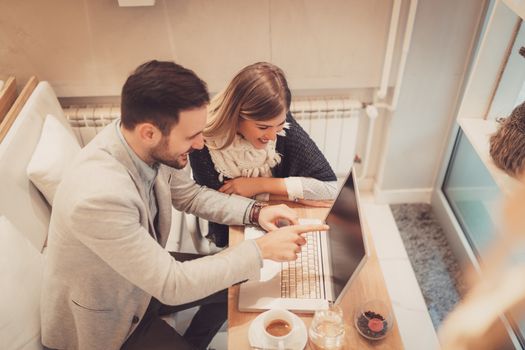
(297,341)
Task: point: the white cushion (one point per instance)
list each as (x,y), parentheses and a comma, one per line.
(54,152)
(21,268)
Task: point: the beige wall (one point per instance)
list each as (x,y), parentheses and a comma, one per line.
(87,48)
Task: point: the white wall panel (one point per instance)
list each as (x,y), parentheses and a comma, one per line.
(88,48)
(218,38)
(321,44)
(36,39)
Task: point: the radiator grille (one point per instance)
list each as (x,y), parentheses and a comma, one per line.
(331,122)
(87,121)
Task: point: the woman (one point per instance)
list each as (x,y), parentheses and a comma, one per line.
(254,146)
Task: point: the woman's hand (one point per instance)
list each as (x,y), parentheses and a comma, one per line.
(242,186)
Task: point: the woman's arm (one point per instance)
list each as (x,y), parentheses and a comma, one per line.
(310,189)
(291,188)
(251,186)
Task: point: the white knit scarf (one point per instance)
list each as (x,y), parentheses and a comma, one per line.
(241,159)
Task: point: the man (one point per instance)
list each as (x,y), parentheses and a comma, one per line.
(108,278)
(507,145)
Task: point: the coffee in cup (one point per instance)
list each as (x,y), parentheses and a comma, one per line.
(278,327)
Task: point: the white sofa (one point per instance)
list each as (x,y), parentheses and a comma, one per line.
(24,217)
(21,202)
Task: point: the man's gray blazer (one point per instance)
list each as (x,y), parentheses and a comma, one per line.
(104,258)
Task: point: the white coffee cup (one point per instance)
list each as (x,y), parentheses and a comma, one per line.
(275,323)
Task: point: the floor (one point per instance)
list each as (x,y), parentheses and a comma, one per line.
(436,269)
(413,319)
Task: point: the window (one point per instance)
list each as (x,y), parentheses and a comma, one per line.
(472,194)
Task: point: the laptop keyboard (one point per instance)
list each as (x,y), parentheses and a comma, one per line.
(301,278)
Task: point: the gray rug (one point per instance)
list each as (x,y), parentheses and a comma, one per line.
(437,270)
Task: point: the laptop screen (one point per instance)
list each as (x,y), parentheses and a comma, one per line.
(345,237)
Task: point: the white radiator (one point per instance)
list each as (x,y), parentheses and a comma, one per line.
(331,122)
(87,121)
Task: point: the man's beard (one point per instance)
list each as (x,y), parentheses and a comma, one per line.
(174,163)
(160,155)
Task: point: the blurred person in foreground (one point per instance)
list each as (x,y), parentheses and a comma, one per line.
(499,288)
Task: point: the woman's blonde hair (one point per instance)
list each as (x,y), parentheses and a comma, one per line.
(258,92)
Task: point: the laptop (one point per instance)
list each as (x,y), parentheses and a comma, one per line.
(325,268)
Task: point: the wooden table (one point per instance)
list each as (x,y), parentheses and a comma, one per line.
(369,284)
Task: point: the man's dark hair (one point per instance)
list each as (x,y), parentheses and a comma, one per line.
(157,91)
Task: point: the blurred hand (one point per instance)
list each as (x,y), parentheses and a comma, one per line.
(285,243)
(242,186)
(270,214)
